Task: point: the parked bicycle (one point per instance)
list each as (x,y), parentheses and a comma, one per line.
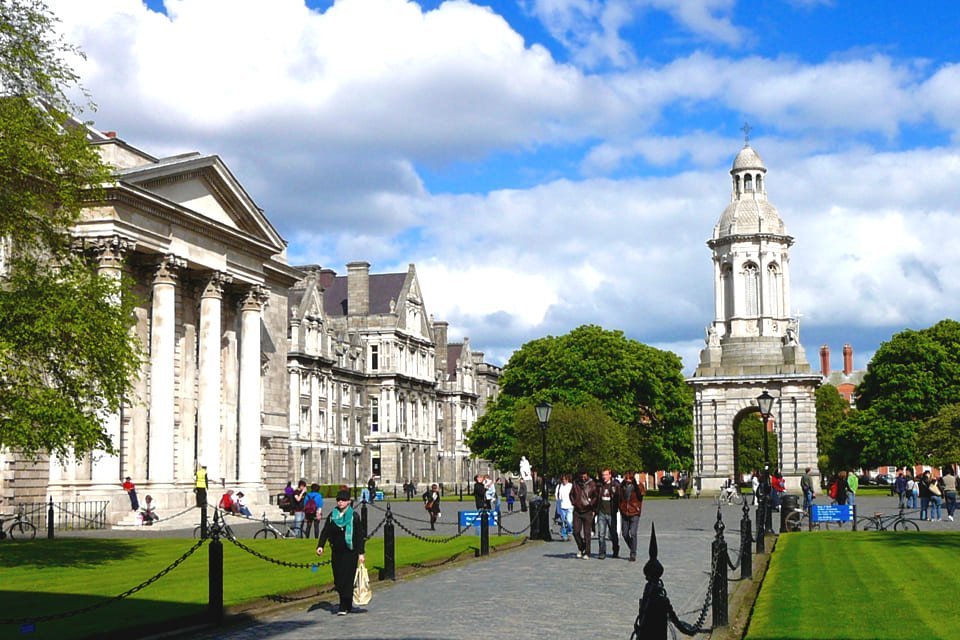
(729,496)
(225,529)
(799,520)
(19,529)
(880,521)
(270,531)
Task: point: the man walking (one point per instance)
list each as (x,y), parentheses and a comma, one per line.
(806,485)
(631,506)
(607,509)
(479,492)
(585,497)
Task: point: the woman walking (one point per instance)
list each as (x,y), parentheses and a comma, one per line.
(631,506)
(431,502)
(345,533)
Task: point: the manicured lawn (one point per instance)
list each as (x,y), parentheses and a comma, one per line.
(52,576)
(846,586)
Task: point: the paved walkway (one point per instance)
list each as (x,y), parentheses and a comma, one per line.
(540,590)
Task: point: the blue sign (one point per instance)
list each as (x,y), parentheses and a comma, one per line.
(28,627)
(472,519)
(832,513)
(379,496)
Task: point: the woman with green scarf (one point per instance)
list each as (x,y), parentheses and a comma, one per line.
(345,534)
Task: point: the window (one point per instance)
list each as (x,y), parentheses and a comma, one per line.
(374,357)
(322,425)
(374,415)
(358,424)
(304,419)
(747,183)
(751,289)
(775,301)
(345,394)
(345,429)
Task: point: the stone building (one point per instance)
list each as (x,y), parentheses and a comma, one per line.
(753,343)
(845,380)
(375,388)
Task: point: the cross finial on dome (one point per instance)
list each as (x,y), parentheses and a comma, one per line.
(746,128)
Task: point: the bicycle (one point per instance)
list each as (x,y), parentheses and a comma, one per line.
(19,528)
(730,497)
(225,529)
(269,530)
(882,522)
(800,519)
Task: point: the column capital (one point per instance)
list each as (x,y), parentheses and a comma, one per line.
(254,299)
(213,288)
(167,269)
(110,250)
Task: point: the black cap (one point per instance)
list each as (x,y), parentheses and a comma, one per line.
(343,495)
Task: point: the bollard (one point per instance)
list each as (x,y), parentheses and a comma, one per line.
(50,520)
(810,517)
(746,538)
(215,575)
(204,528)
(363,517)
(389,548)
(484,533)
(761,518)
(498,515)
(854,515)
(719,575)
(394,491)
(461,493)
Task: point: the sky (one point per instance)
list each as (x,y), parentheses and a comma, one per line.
(552,163)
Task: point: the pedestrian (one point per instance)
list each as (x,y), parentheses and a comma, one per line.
(299,502)
(806,485)
(522,494)
(900,488)
(607,509)
(148,516)
(313,510)
(242,507)
(565,505)
(914,491)
(479,491)
(585,497)
(131,490)
(345,534)
(840,494)
(631,506)
(431,502)
(509,492)
(755,483)
(949,491)
(372,486)
(936,498)
(200,485)
(853,484)
(489,494)
(923,491)
(777,487)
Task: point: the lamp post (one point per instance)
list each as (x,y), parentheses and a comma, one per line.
(356,471)
(765,404)
(543,415)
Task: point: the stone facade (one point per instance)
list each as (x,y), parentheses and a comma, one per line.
(375,388)
(753,343)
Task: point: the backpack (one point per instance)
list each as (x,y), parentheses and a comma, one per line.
(310,509)
(833,490)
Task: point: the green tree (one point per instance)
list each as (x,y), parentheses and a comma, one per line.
(867,439)
(750,445)
(938,438)
(66,354)
(832,410)
(641,388)
(583,437)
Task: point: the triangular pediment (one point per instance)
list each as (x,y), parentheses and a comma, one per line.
(205,186)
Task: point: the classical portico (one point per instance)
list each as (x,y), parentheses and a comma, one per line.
(753,342)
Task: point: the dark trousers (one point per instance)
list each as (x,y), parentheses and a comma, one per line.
(344,566)
(583,530)
(630,524)
(523,503)
(134,503)
(315,525)
(201,496)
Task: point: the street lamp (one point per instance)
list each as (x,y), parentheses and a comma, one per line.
(543,415)
(765,404)
(356,471)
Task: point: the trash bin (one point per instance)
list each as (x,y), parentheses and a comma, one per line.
(788,504)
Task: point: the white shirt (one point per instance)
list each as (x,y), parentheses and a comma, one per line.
(563,495)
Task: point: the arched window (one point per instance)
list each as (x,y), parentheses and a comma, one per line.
(726,288)
(747,183)
(775,299)
(751,289)
(760,183)
(736,185)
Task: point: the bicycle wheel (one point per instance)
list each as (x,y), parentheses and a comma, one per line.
(23,531)
(196,531)
(867,524)
(736,498)
(265,533)
(793,521)
(906,525)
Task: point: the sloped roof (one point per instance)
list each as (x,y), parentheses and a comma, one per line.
(384,287)
(454,350)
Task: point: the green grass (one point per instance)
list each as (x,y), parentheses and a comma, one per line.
(848,586)
(52,576)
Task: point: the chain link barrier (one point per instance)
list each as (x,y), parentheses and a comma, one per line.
(376,529)
(411,518)
(534,515)
(438,540)
(282,563)
(98,519)
(99,605)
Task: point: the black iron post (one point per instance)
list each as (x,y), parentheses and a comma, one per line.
(854,516)
(363,517)
(543,415)
(484,532)
(761,517)
(719,575)
(746,549)
(204,529)
(765,404)
(389,548)
(215,574)
(356,471)
(50,520)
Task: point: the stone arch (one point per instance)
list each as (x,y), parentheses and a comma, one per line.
(745,409)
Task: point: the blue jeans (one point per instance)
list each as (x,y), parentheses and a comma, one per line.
(298,522)
(851,498)
(935,508)
(924,507)
(951,501)
(607,527)
(807,499)
(911,501)
(902,499)
(566,523)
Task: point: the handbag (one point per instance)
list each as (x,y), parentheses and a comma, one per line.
(428,506)
(362,593)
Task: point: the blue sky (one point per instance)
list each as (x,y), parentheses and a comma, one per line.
(550,163)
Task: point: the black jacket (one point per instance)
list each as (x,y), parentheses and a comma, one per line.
(338,541)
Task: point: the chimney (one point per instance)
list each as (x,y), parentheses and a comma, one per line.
(325,277)
(358,288)
(825,361)
(110,134)
(847,359)
(440,340)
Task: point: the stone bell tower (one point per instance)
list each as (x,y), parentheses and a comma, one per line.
(753,341)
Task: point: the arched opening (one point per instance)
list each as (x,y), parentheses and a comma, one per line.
(747,182)
(760,183)
(736,185)
(748,454)
(726,278)
(775,297)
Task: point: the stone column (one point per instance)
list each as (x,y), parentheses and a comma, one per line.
(162,353)
(211,376)
(294,409)
(249,410)
(105,468)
